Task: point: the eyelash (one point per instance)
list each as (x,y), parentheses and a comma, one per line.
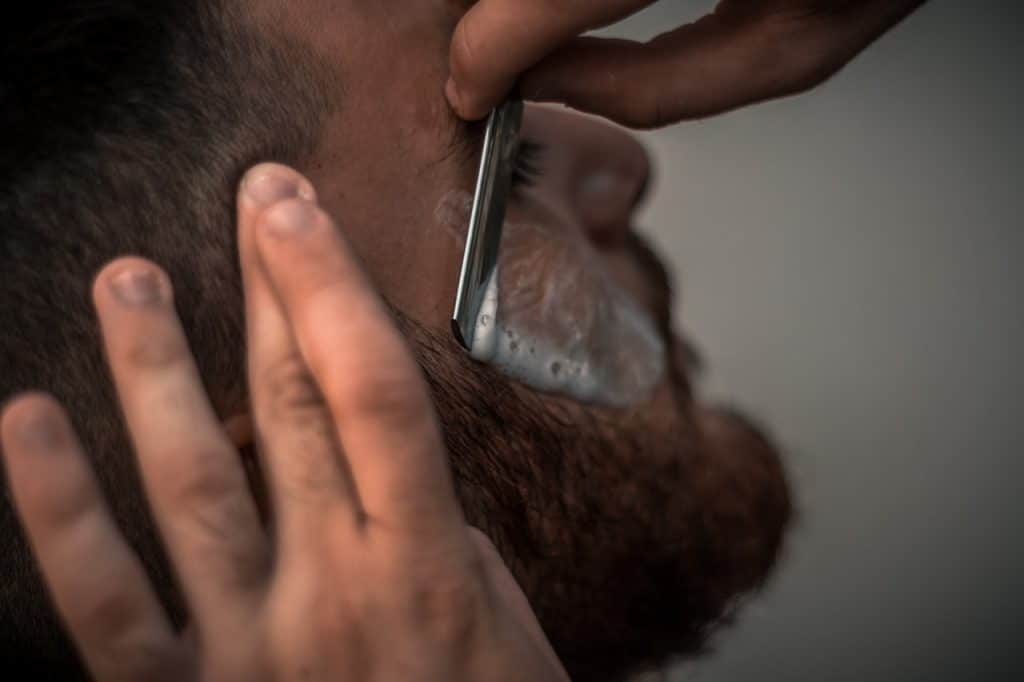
(528,167)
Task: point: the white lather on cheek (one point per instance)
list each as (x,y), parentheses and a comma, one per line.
(452,214)
(552,318)
(607,352)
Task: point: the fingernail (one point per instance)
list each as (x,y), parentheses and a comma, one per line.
(292,218)
(40,433)
(137,287)
(270,187)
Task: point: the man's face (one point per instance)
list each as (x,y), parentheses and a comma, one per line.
(398,170)
(631,516)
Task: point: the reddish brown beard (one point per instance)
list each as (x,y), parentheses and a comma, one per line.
(633,536)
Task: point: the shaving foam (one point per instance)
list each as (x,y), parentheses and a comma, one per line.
(555,320)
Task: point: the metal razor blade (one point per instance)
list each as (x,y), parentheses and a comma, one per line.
(487,218)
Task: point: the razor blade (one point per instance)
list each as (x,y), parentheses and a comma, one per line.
(494,182)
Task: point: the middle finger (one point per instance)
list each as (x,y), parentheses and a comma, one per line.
(297,442)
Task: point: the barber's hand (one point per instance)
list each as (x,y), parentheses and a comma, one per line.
(369,572)
(743,52)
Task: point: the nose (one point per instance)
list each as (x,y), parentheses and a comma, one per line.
(595,171)
(613,173)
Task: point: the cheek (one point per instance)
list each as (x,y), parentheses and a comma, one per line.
(556,321)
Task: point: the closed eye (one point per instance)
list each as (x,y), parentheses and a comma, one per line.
(529,167)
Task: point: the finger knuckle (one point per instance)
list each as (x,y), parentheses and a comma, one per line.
(114,625)
(646,107)
(645,112)
(807,73)
(195,475)
(798,53)
(291,390)
(380,393)
(155,352)
(213,512)
(112,612)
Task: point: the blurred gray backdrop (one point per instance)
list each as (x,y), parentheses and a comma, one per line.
(849,265)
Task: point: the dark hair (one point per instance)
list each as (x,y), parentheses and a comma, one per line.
(126,126)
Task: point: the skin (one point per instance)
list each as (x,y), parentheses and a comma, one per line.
(681,507)
(412,146)
(742,52)
(371,573)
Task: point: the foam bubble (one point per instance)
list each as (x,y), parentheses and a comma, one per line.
(553,319)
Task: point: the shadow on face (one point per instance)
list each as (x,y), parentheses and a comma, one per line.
(632,528)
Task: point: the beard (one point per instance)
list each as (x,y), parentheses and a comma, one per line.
(633,533)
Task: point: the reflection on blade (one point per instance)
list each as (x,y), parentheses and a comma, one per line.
(489,203)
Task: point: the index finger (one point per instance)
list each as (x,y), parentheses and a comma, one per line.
(497,40)
(379,400)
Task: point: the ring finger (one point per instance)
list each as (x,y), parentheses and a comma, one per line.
(193,477)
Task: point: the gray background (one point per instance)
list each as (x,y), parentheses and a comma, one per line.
(849,267)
